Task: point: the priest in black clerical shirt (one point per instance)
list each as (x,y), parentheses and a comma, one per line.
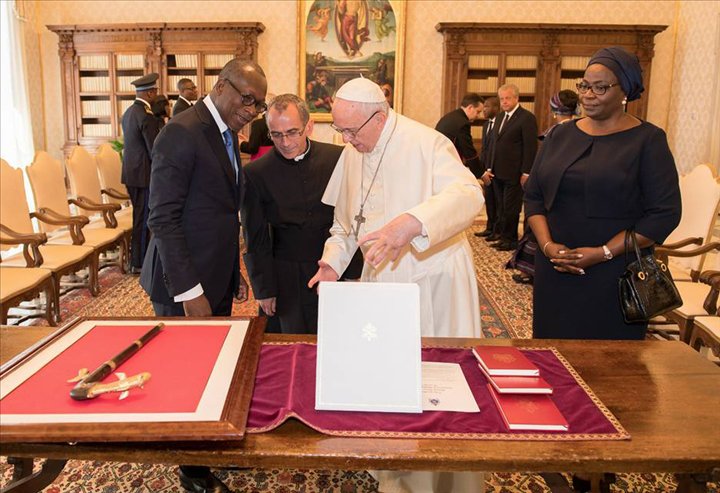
(284,223)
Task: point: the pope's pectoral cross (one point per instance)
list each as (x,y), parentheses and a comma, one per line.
(359,220)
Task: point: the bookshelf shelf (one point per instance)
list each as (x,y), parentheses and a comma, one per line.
(541,59)
(98,62)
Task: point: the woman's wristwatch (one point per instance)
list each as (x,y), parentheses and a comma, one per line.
(607,254)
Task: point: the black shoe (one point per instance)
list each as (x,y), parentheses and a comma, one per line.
(135,271)
(205,484)
(522,278)
(505,246)
(492,237)
(483,233)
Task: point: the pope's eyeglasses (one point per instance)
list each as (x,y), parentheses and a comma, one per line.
(350,132)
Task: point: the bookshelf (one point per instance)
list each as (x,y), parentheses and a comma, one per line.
(541,59)
(98,63)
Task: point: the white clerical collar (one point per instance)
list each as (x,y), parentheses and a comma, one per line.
(186,100)
(387,131)
(300,157)
(216,116)
(144,102)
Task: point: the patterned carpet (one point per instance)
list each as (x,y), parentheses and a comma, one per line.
(506,310)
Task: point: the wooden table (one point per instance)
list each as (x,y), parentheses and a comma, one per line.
(664,394)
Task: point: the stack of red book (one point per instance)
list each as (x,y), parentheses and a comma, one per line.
(520,393)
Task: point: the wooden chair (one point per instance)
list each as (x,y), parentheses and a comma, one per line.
(697,302)
(47,181)
(16,228)
(86,192)
(686,248)
(110,169)
(18,285)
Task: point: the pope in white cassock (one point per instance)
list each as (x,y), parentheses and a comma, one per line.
(402,194)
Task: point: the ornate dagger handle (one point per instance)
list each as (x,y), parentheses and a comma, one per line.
(81,391)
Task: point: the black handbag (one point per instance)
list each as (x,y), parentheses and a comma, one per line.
(646,287)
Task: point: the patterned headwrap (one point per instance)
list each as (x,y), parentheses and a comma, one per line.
(626,68)
(556,106)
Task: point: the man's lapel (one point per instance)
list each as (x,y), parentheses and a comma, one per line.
(513,118)
(217,144)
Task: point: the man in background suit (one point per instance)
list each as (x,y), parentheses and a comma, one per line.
(515,145)
(187,93)
(140,127)
(456,127)
(491,107)
(192,266)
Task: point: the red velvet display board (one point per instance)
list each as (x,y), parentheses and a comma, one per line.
(180,359)
(285,388)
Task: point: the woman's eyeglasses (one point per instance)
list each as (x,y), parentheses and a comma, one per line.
(597,89)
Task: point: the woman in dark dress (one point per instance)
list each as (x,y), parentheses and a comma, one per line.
(593,179)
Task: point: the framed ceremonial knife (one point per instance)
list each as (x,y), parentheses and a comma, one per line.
(174,379)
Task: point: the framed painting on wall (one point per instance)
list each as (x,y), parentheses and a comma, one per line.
(344,39)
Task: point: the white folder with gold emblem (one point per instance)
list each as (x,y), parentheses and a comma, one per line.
(368,347)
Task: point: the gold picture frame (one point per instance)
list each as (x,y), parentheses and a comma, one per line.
(344,39)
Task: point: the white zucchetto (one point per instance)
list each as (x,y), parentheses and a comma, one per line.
(361,90)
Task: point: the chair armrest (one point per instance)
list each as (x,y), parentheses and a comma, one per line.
(662,251)
(682,243)
(30,242)
(111,192)
(74,223)
(108,210)
(708,276)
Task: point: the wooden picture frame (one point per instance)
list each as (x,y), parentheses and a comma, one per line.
(336,46)
(229,427)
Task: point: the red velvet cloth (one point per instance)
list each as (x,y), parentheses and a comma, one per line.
(285,387)
(180,359)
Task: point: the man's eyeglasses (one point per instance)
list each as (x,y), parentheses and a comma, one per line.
(293,133)
(597,89)
(249,99)
(350,132)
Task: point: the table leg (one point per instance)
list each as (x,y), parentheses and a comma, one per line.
(26,482)
(692,483)
(22,467)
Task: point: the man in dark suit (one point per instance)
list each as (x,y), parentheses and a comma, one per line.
(515,145)
(192,266)
(187,93)
(456,127)
(491,107)
(140,127)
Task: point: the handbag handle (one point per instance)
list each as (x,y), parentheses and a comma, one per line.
(631,241)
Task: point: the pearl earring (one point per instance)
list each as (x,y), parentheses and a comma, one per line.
(624,101)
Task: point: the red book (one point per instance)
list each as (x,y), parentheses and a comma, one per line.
(518,385)
(529,412)
(505,361)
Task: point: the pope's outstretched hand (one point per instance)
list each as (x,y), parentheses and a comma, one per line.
(387,241)
(324,273)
